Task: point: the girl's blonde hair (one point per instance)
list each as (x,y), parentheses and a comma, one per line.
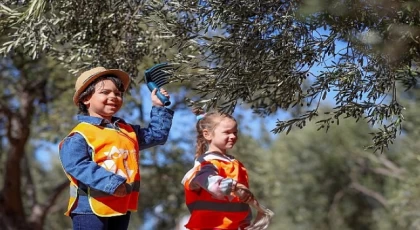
(207,121)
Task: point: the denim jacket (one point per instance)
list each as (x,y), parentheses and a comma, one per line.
(76,155)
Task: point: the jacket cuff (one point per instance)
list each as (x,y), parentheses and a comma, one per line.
(114,183)
(157,110)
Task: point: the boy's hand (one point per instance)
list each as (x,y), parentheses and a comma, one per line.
(121,191)
(155,99)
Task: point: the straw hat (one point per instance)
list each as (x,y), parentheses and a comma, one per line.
(88,76)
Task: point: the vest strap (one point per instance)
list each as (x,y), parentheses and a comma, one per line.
(219,207)
(74,191)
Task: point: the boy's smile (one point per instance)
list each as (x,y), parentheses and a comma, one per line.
(105,101)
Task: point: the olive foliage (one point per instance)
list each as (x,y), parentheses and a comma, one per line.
(295,55)
(271,55)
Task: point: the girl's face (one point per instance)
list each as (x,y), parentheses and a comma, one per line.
(223,137)
(105,101)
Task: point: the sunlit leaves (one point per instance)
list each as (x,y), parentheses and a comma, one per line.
(270,55)
(81,34)
(296,55)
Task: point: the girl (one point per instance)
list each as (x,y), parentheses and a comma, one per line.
(100,156)
(216,189)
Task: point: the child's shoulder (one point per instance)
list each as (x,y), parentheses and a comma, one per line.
(72,139)
(215,159)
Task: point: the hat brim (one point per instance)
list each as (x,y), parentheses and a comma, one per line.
(125,78)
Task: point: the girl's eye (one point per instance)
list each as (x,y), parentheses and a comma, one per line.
(231,132)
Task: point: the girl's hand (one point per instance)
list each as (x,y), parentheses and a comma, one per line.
(243,193)
(155,99)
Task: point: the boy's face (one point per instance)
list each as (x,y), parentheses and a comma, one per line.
(105,101)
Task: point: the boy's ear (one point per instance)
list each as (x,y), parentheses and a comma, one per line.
(206,134)
(86,101)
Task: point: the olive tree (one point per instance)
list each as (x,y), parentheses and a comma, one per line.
(294,55)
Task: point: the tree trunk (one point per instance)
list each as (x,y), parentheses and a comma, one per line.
(12,212)
(11,200)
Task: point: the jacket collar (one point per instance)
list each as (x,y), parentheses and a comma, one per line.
(97,120)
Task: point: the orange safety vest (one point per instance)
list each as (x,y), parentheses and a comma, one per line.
(211,213)
(118,152)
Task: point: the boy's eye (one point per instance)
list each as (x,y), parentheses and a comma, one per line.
(117,94)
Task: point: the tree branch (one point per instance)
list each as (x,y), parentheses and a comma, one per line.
(386,172)
(368,192)
(333,208)
(389,164)
(40,211)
